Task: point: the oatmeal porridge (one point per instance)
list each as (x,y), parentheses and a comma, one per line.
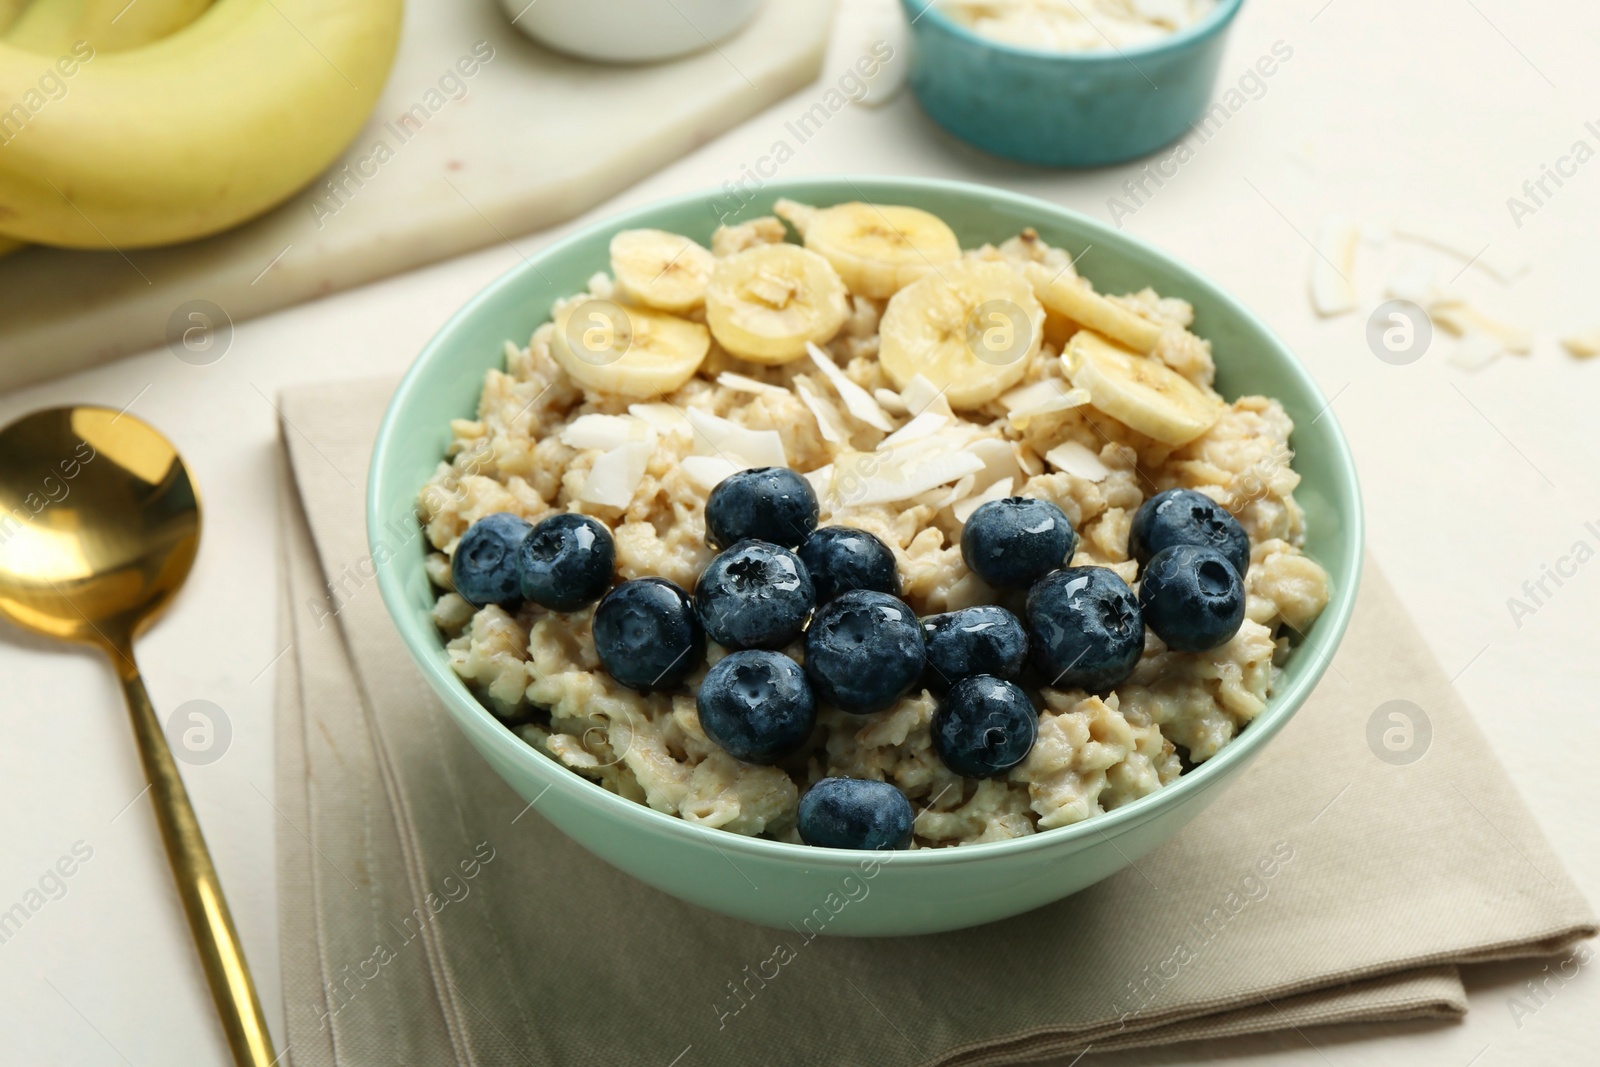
(1077,25)
(1003,436)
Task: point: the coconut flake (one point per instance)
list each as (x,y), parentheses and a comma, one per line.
(706,471)
(605,431)
(1462,320)
(821,480)
(1414,282)
(925,425)
(1503,267)
(829,421)
(999,460)
(616,474)
(857,400)
(1078,460)
(890,401)
(664,418)
(1332,291)
(1041,398)
(740,384)
(716,436)
(920,394)
(963,509)
(939,499)
(1582,345)
(864,478)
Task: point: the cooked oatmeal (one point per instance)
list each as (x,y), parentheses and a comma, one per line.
(897,460)
(1077,25)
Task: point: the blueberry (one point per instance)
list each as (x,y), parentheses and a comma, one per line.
(985,726)
(1014,542)
(863,651)
(855,813)
(842,558)
(647,636)
(757,705)
(484,567)
(1192,598)
(567,562)
(981,640)
(1185,517)
(1085,629)
(771,504)
(754,595)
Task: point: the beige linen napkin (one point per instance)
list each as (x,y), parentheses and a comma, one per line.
(429,916)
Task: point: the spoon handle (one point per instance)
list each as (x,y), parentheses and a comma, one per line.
(210,923)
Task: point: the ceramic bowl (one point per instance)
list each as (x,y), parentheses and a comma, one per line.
(772,882)
(1073,109)
(629,31)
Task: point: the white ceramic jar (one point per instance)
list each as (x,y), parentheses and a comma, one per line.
(629,31)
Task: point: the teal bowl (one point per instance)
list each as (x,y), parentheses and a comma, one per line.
(1063,109)
(775,883)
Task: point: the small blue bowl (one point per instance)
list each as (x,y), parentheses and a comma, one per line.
(1063,109)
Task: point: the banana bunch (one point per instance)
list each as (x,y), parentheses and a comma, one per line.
(130,125)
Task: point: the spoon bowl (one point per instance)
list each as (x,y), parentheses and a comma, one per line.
(99,527)
(99,524)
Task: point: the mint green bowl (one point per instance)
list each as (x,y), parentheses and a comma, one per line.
(770,882)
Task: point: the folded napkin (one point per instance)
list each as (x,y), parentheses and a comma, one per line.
(430,916)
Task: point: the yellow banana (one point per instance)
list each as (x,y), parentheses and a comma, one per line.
(191,134)
(50,27)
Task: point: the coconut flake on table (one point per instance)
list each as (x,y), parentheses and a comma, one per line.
(1463,320)
(1332,291)
(829,421)
(1502,266)
(1582,345)
(741,384)
(1078,460)
(716,436)
(616,475)
(963,509)
(606,431)
(1415,281)
(857,401)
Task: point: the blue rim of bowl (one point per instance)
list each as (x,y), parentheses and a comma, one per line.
(1212,24)
(1281,705)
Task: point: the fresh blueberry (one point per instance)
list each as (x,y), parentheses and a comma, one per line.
(646,634)
(981,640)
(855,813)
(1192,598)
(863,651)
(985,726)
(1186,517)
(1085,629)
(484,567)
(757,705)
(771,504)
(1014,542)
(842,558)
(754,595)
(567,562)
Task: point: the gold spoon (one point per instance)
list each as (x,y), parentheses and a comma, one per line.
(99,525)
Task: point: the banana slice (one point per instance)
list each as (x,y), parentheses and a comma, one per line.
(660,269)
(1139,391)
(1065,295)
(970,330)
(629,351)
(878,249)
(766,302)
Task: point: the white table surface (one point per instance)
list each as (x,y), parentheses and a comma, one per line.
(1435,109)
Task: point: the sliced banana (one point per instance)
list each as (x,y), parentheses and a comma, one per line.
(1139,391)
(878,249)
(660,269)
(631,351)
(969,330)
(1065,295)
(767,302)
